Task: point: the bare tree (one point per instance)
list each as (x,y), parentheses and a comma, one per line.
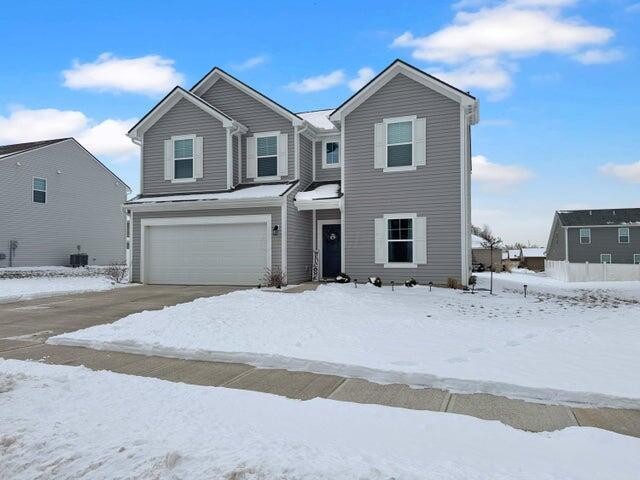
(490,241)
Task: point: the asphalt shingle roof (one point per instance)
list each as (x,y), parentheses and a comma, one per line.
(22,147)
(612,216)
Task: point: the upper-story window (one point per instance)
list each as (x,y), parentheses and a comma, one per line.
(400,143)
(267,156)
(330,153)
(183,158)
(623,235)
(40,190)
(585,235)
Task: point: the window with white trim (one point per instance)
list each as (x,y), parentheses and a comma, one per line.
(605,258)
(400,240)
(39,190)
(330,153)
(623,235)
(585,235)
(636,258)
(399,143)
(183,158)
(267,156)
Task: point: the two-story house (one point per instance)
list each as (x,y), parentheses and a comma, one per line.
(609,236)
(56,197)
(232,183)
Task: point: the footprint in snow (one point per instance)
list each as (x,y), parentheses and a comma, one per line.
(457,360)
(512,343)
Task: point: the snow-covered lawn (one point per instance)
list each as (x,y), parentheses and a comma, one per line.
(70,422)
(52,281)
(552,348)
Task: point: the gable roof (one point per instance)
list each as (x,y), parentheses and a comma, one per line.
(173,97)
(319,119)
(6,150)
(400,66)
(216,72)
(19,148)
(603,217)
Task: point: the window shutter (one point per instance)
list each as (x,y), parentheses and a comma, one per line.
(168,159)
(381,240)
(252,167)
(283,155)
(420,141)
(420,240)
(197,158)
(380,141)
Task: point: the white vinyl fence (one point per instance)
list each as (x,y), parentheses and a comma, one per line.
(591,272)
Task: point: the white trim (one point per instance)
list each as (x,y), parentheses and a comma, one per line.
(296,153)
(270,178)
(630,225)
(229,168)
(465,198)
(175,138)
(636,255)
(323,204)
(46,190)
(240,142)
(580,242)
(313,160)
(209,79)
(566,244)
(205,204)
(628,235)
(283,239)
(391,121)
(130,255)
(169,102)
(394,69)
(401,216)
(210,220)
(184,180)
(320,224)
(325,140)
(314,240)
(343,186)
(607,254)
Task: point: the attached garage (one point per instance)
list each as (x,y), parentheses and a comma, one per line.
(218,250)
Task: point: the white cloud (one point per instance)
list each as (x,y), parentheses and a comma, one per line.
(496,177)
(633,8)
(252,62)
(318,83)
(497,34)
(597,56)
(149,75)
(106,138)
(629,172)
(364,75)
(485,74)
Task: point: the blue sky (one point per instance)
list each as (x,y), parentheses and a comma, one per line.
(557,81)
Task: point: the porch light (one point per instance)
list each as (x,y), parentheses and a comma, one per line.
(275,230)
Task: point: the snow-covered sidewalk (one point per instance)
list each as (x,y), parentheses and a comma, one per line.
(70,422)
(541,348)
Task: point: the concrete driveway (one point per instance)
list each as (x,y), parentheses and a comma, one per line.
(58,314)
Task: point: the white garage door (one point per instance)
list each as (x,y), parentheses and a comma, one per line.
(218,254)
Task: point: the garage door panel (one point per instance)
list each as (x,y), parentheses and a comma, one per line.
(208,254)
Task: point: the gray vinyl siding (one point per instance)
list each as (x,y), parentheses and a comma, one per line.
(83,207)
(324,174)
(253,114)
(306,161)
(184,118)
(603,240)
(556,250)
(329,214)
(432,191)
(275,212)
(236,152)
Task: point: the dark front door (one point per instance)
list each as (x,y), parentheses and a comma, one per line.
(330,251)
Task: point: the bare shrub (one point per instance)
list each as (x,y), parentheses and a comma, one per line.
(115,272)
(452,282)
(274,277)
(507,267)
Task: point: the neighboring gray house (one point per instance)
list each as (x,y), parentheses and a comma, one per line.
(54,196)
(232,183)
(596,236)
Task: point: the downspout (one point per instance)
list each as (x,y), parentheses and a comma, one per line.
(233,131)
(298,133)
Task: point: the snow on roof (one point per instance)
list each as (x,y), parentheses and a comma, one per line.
(329,190)
(259,191)
(514,254)
(534,252)
(319,119)
(477,242)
